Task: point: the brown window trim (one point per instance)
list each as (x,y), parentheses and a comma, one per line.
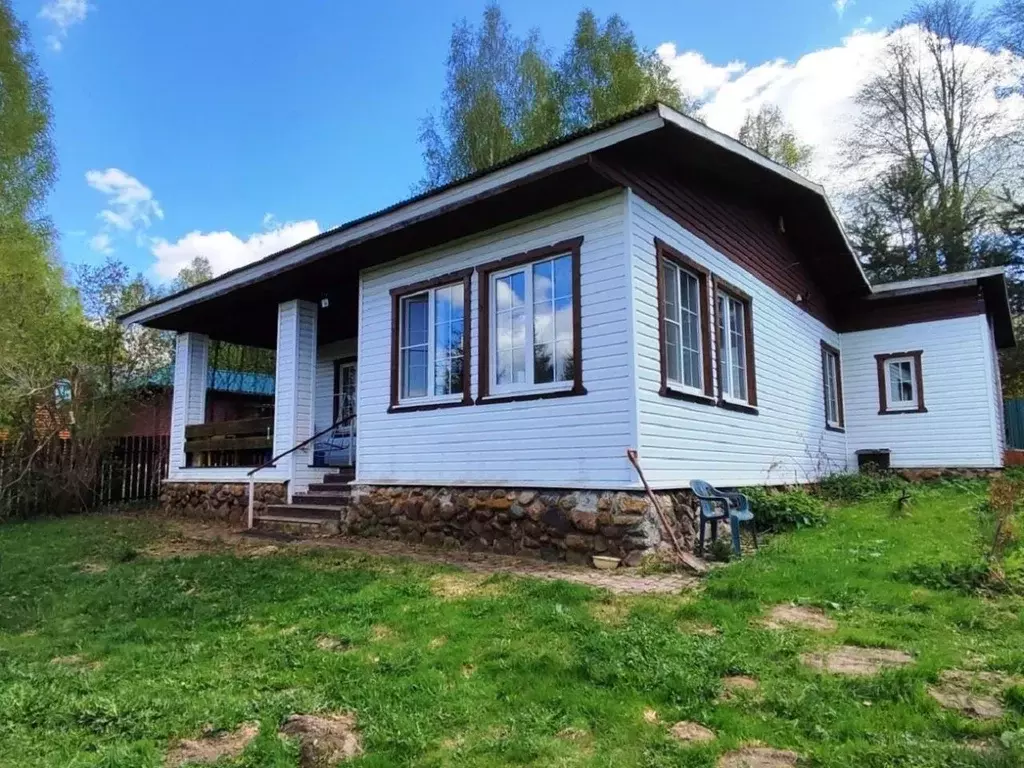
(826,350)
(465,276)
(883,393)
(337,384)
(665,252)
(720,286)
(572,247)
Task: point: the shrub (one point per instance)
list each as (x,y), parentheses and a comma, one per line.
(777,510)
(966,577)
(859,486)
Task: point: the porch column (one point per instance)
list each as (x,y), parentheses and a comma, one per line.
(294,383)
(188,404)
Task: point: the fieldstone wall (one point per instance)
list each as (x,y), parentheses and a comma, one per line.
(553,524)
(218,501)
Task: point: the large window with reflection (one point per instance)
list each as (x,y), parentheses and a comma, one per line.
(430,342)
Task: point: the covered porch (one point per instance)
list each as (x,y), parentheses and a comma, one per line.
(311,427)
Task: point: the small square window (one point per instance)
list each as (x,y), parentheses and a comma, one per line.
(900,383)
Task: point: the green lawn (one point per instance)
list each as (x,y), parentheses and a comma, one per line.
(511,672)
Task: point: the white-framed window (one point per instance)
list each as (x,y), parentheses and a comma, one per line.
(532,326)
(684,342)
(832,374)
(431,344)
(900,383)
(732,347)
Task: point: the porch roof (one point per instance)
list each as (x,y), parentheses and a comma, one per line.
(241,305)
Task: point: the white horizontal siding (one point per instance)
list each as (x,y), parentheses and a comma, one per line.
(188,400)
(960,427)
(565,442)
(786,442)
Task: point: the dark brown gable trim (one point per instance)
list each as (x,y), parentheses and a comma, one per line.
(668,253)
(465,276)
(721,286)
(883,394)
(826,350)
(485,271)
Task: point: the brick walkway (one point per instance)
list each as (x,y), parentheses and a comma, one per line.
(627,581)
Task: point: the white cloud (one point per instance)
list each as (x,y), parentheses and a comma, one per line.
(816,93)
(63,14)
(225,250)
(100,242)
(841,6)
(131,206)
(699,76)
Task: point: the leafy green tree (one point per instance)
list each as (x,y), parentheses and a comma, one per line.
(500,98)
(767,132)
(27,160)
(505,95)
(605,73)
(931,130)
(198,271)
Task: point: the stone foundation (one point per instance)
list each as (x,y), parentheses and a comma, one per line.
(219,501)
(553,524)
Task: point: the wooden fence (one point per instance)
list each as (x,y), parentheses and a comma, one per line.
(132,469)
(1013,412)
(65,477)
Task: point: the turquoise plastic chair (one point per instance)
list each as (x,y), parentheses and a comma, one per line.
(717,506)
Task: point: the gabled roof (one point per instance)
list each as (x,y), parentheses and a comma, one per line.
(425,220)
(991,281)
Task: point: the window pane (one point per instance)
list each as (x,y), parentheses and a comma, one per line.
(673,362)
(414,366)
(563,276)
(670,281)
(690,318)
(901,383)
(510,291)
(543,363)
(563,319)
(543,281)
(543,323)
(414,321)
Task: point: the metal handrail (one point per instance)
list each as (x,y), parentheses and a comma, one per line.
(271,462)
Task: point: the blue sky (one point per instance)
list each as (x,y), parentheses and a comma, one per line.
(215,114)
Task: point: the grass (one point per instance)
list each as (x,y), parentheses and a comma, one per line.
(442,669)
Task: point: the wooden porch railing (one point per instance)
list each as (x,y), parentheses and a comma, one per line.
(240,443)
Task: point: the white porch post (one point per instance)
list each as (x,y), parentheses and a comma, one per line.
(188,404)
(294,383)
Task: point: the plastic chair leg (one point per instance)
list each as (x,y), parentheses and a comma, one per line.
(734,525)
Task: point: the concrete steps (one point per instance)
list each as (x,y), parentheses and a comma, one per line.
(317,511)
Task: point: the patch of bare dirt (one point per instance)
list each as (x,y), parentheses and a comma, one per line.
(324,740)
(437,642)
(651,716)
(77,661)
(854,661)
(381,632)
(737,686)
(612,612)
(758,757)
(975,694)
(333,644)
(699,628)
(468,670)
(458,586)
(92,567)
(211,747)
(803,616)
(691,733)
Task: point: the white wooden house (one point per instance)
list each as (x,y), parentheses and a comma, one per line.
(647,284)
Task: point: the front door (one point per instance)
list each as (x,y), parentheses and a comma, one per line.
(343,441)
